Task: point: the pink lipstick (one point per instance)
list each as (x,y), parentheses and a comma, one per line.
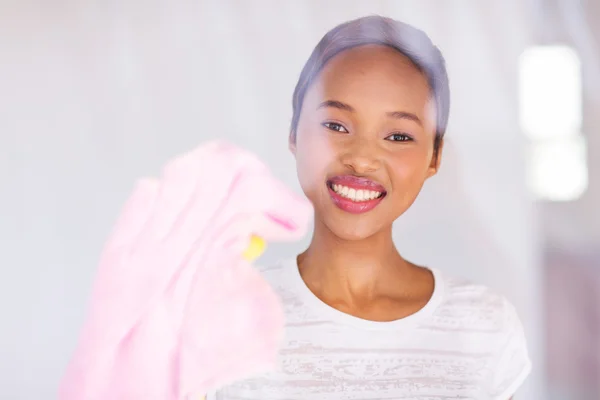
(355,195)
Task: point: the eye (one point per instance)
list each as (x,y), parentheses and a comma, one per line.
(334,126)
(398,137)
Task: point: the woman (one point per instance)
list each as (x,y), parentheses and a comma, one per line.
(370,112)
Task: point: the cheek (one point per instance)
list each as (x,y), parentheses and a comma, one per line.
(313,155)
(409,169)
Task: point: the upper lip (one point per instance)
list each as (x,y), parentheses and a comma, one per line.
(357,182)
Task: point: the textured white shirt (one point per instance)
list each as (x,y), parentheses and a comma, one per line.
(466,343)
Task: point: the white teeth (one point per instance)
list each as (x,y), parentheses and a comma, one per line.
(355,195)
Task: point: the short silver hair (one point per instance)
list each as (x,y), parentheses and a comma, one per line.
(406,39)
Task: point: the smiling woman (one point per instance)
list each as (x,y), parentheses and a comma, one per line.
(370,113)
(355,122)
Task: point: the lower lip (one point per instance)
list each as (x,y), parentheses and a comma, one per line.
(354,207)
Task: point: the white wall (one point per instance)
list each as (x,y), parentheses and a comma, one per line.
(94,95)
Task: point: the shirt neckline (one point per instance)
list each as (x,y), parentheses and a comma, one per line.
(333,314)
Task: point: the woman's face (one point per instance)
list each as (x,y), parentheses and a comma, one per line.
(364,145)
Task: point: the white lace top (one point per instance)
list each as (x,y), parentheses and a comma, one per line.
(466,343)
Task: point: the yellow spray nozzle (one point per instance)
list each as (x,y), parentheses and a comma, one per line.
(255,248)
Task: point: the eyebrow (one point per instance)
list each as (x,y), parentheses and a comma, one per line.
(405,115)
(336,104)
(393,114)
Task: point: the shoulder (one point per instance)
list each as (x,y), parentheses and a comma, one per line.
(489,322)
(471,307)
(477,317)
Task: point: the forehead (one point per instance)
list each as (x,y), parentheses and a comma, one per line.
(375,74)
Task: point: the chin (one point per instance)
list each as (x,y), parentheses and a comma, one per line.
(348,230)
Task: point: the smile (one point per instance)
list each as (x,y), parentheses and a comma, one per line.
(355,195)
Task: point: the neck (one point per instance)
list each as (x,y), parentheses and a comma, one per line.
(351,268)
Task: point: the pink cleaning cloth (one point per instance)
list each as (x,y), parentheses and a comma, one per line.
(175,310)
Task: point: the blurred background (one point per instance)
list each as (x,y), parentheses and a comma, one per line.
(94,94)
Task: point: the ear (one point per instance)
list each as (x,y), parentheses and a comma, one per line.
(436,160)
(292,142)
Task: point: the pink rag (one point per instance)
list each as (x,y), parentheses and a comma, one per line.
(175,310)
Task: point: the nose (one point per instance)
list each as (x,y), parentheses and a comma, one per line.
(361,157)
